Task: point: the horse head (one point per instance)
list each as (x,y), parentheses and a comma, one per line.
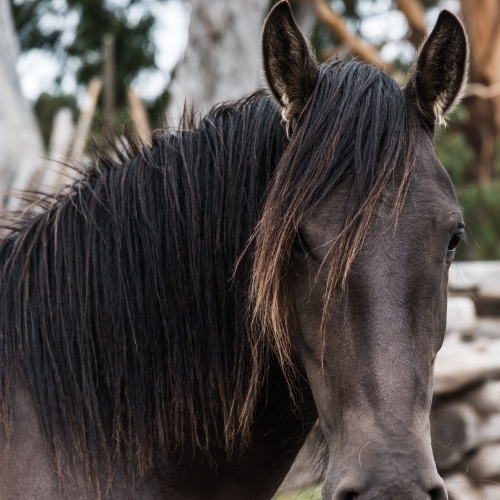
(353,251)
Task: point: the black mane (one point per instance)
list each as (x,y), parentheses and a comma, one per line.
(120,299)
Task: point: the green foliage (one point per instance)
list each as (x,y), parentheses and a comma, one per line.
(481,204)
(47,105)
(27,19)
(42,24)
(134,50)
(496,161)
(123,120)
(322,39)
(350,10)
(429,3)
(455,154)
(156,109)
(452,148)
(73,30)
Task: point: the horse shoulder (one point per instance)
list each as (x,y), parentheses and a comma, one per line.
(27,472)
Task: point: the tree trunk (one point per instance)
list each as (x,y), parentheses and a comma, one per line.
(482,18)
(222,59)
(415,15)
(21,147)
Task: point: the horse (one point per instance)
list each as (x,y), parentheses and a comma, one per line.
(174,323)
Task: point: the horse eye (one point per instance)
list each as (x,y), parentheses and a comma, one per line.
(453,244)
(301,244)
(455,240)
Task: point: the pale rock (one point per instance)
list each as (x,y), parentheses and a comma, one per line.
(460,487)
(488,327)
(485,398)
(460,364)
(461,316)
(471,276)
(485,464)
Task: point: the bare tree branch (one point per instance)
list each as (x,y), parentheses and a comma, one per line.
(337,25)
(139,116)
(483,91)
(415,15)
(82,131)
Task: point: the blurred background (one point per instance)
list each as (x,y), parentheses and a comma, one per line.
(72,71)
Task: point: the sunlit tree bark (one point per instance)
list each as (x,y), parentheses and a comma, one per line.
(482,20)
(21,147)
(222,58)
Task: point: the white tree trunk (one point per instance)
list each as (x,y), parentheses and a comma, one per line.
(21,147)
(222,59)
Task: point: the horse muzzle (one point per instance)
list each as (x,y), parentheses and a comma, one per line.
(381,471)
(401,490)
(388,488)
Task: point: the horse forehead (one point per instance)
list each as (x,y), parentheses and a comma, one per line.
(432,186)
(431,194)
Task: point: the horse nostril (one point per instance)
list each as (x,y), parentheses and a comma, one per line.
(438,493)
(347,495)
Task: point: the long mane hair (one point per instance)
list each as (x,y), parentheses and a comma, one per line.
(121,307)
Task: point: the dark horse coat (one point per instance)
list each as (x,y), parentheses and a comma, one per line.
(174,323)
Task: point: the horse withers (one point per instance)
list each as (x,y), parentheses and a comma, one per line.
(174,323)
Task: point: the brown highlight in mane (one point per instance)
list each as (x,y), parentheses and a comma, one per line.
(358,126)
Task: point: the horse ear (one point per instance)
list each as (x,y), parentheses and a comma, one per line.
(290,67)
(439,76)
